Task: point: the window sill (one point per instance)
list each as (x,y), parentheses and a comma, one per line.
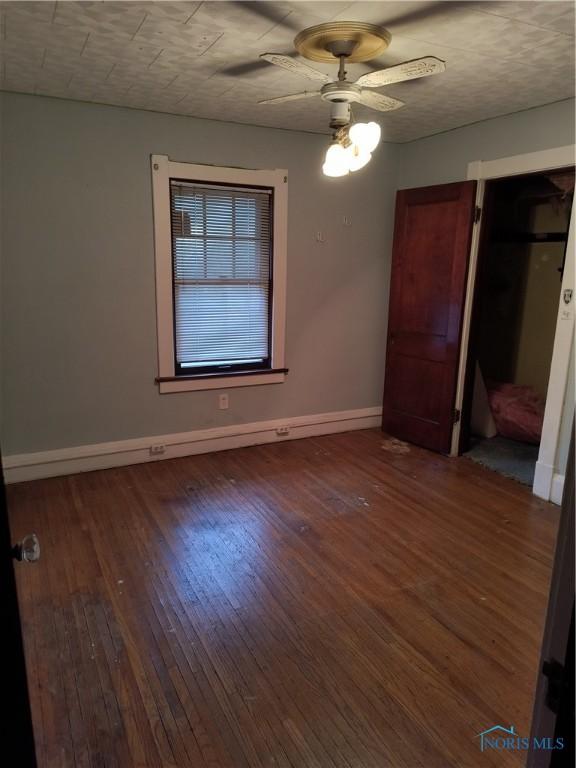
(217,381)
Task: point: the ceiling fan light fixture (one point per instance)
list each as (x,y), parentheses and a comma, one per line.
(366,136)
(334,172)
(357,157)
(351,149)
(337,161)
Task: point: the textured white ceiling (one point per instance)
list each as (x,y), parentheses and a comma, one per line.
(201,58)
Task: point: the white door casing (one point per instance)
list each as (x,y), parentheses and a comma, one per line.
(547,477)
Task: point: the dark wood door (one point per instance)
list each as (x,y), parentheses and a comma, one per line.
(432,235)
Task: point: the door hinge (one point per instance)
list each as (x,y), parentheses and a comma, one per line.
(477,214)
(456,416)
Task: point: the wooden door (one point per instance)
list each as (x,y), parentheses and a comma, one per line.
(432,235)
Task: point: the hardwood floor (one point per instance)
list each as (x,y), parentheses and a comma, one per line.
(334,602)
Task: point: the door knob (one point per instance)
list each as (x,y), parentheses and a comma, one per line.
(27,550)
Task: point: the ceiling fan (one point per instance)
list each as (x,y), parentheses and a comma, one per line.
(349,42)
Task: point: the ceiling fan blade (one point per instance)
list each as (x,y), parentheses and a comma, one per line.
(290,97)
(409,70)
(379,101)
(296,66)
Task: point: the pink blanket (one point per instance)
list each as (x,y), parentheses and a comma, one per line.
(518,411)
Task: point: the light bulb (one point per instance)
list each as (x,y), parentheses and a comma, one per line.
(329,170)
(336,163)
(357,158)
(365,135)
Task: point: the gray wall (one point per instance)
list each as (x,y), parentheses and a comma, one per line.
(78,310)
(445,157)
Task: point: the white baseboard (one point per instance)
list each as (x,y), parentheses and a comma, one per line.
(86,458)
(548,485)
(557,489)
(543,474)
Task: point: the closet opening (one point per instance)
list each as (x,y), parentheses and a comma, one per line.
(517,293)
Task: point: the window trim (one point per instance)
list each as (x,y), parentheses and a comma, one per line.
(163,169)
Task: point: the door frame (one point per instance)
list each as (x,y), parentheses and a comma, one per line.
(548,482)
(555,640)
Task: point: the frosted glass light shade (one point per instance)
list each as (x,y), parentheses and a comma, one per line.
(357,158)
(336,162)
(365,135)
(329,170)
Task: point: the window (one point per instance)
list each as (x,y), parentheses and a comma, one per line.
(220,236)
(222,271)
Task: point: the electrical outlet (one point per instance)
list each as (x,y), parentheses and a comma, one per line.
(223,401)
(157,450)
(282,431)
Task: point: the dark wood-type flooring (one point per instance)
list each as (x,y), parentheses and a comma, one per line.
(334,602)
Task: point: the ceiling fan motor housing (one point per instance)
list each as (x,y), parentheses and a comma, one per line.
(340,95)
(339,114)
(340,91)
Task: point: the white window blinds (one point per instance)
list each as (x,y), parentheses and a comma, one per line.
(221,255)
